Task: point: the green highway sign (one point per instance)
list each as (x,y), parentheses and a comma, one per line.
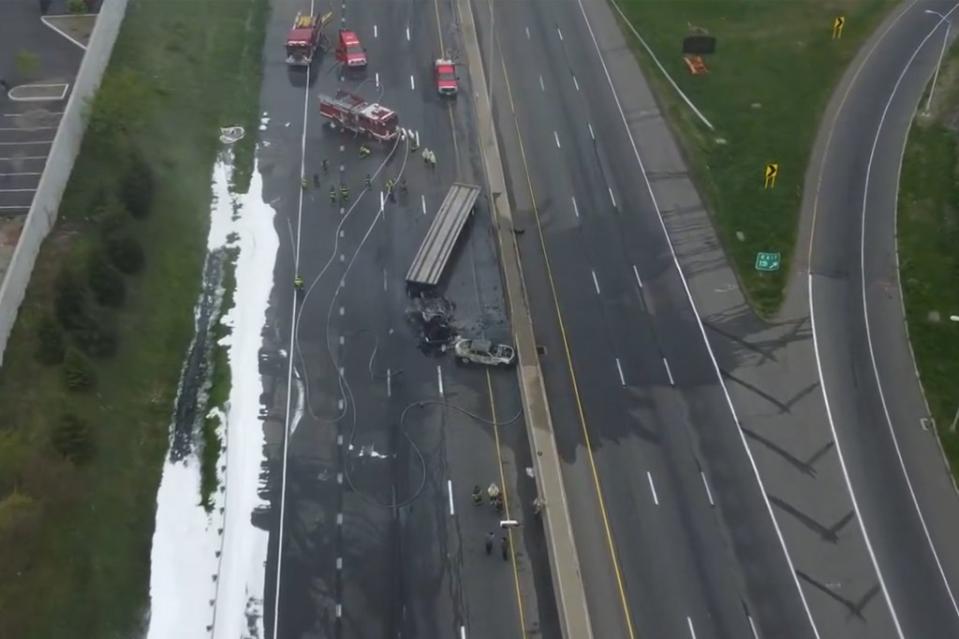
(768,261)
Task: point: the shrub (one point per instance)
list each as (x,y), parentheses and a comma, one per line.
(138,186)
(70,301)
(97,338)
(106,282)
(126,253)
(50,345)
(72,438)
(78,373)
(77,6)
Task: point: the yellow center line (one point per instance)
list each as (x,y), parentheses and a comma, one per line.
(569,361)
(502,481)
(489,384)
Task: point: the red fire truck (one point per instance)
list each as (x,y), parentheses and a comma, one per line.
(349,51)
(305,37)
(355,114)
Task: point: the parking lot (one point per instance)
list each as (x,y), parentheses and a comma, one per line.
(32,100)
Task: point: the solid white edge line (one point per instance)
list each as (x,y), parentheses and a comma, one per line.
(709,494)
(575,208)
(638,279)
(689,103)
(669,373)
(24,158)
(619,369)
(17,190)
(32,142)
(865,309)
(449,487)
(291,351)
(692,631)
(809,257)
(595,281)
(702,329)
(44,20)
(652,487)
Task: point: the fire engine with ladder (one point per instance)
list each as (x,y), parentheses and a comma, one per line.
(305,37)
(353,113)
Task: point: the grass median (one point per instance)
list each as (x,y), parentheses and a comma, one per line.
(928,234)
(75,537)
(767,86)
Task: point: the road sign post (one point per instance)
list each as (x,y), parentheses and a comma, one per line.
(767,262)
(769,175)
(837,26)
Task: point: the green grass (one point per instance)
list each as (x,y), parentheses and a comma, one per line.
(768,83)
(75,541)
(220,383)
(928,229)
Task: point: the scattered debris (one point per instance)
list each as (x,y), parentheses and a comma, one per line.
(231,134)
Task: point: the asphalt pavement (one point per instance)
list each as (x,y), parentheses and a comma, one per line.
(671,525)
(904,490)
(380,536)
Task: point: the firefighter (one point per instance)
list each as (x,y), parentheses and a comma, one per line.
(364,151)
(304,183)
(298,282)
(369,181)
(426,155)
(403,185)
(332,194)
(432,159)
(316,180)
(326,166)
(344,192)
(390,183)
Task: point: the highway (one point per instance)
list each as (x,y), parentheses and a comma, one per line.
(371,507)
(672,529)
(904,492)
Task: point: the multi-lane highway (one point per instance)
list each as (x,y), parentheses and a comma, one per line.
(372,515)
(674,534)
(697,510)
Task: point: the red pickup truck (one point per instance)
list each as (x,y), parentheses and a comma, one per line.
(349,51)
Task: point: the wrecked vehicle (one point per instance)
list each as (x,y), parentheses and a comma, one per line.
(483,351)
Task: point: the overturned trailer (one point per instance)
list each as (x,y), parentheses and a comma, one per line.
(434,253)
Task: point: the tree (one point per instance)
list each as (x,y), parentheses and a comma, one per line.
(98,338)
(119,107)
(72,438)
(70,301)
(78,373)
(50,344)
(126,253)
(138,186)
(106,282)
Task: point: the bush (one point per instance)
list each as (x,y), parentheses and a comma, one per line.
(27,64)
(50,345)
(76,6)
(72,438)
(97,339)
(78,373)
(70,301)
(126,253)
(138,186)
(106,282)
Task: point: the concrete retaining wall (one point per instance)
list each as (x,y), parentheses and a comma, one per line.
(56,173)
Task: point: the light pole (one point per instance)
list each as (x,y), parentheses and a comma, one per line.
(942,52)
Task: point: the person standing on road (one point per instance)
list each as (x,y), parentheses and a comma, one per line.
(477,495)
(490,538)
(504,546)
(326,165)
